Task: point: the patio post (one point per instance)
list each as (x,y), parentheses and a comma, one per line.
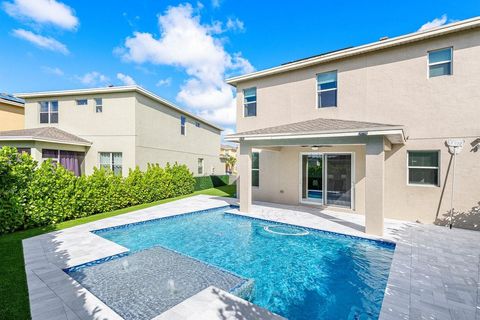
(374,185)
(244,183)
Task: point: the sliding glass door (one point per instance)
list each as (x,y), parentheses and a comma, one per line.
(326,179)
(339,179)
(312,178)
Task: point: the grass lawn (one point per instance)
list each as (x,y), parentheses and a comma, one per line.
(13,282)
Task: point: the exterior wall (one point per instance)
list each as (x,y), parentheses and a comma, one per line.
(158,139)
(391,86)
(11,117)
(112,130)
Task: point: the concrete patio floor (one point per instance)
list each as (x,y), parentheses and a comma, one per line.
(434,274)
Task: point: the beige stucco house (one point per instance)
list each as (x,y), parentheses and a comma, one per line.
(115,127)
(365,129)
(11,112)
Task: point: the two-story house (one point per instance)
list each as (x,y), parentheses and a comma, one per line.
(365,129)
(114,127)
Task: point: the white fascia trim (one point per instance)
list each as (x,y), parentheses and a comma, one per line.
(319,135)
(12,103)
(30,138)
(137,89)
(374,46)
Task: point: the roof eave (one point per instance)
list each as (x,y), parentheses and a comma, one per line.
(32,138)
(389,133)
(374,46)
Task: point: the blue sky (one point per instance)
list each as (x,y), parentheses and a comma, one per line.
(183,50)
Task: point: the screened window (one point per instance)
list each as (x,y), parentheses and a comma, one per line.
(112,161)
(423,168)
(327,89)
(183,122)
(24,150)
(250,102)
(82,102)
(440,62)
(98,105)
(200,166)
(197,124)
(50,154)
(255,169)
(48,111)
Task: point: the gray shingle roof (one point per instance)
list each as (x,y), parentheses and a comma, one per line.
(317,126)
(46,133)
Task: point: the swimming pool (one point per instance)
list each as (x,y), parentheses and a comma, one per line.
(298,273)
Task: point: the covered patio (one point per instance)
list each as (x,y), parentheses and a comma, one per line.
(332,163)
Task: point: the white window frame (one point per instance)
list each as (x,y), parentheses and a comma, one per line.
(423,167)
(183,126)
(81,100)
(201,165)
(440,62)
(256,169)
(111,164)
(49,112)
(325,90)
(97,105)
(245,103)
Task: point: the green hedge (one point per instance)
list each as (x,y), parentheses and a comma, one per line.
(32,196)
(207,182)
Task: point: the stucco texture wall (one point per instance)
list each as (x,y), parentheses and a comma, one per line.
(11,117)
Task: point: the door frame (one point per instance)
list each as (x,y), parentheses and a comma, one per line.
(324,178)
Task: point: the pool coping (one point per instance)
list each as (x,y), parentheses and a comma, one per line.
(54,295)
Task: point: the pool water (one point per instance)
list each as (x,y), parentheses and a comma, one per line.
(298,273)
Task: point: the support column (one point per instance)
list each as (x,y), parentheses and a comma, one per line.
(244,182)
(374,185)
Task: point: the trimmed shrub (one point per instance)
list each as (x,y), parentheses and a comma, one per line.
(32,196)
(16,171)
(207,182)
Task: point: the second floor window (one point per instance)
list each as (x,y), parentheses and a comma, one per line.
(98,105)
(327,89)
(48,111)
(82,102)
(250,102)
(440,62)
(183,122)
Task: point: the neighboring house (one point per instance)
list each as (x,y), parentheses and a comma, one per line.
(228,152)
(364,129)
(11,112)
(114,127)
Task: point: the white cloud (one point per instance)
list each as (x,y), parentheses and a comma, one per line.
(216,3)
(43,12)
(164,82)
(235,24)
(437,22)
(93,78)
(55,71)
(126,80)
(41,41)
(187,43)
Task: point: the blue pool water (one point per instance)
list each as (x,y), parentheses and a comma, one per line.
(298,273)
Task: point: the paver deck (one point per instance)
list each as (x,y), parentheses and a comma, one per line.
(434,274)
